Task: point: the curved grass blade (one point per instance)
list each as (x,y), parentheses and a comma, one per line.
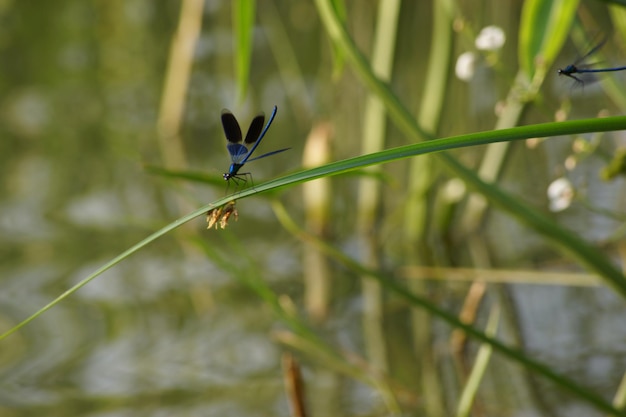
(407,151)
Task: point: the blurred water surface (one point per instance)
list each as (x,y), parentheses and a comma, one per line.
(168,332)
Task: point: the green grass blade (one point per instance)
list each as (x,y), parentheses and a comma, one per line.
(544,27)
(595,259)
(243,22)
(480,366)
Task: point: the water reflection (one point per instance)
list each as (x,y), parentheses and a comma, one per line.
(170,332)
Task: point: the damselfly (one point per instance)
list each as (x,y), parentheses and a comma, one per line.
(240,153)
(575,68)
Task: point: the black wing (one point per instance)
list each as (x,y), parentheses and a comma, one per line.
(231,127)
(255,129)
